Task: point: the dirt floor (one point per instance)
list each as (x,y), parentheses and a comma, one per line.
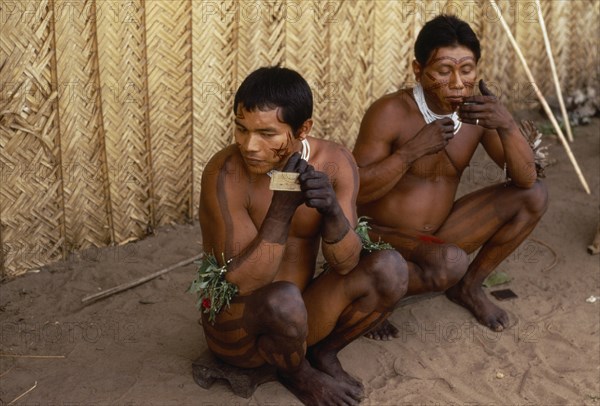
(137,347)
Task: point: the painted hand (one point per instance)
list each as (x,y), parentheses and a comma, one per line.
(486,111)
(318,191)
(431,139)
(290,200)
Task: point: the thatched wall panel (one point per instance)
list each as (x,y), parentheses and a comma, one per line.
(528,29)
(31,193)
(350,67)
(307,28)
(122,72)
(392,57)
(260,35)
(109,110)
(558,24)
(585,37)
(84,171)
(213,53)
(498,68)
(169,51)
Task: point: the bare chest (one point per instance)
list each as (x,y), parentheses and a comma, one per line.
(436,166)
(451,161)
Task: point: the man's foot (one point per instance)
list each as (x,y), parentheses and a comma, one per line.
(383,332)
(314,387)
(328,362)
(475,300)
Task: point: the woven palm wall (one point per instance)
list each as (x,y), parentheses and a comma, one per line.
(109,110)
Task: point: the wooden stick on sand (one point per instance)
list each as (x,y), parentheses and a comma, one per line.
(541,97)
(12,402)
(31,356)
(138,281)
(563,109)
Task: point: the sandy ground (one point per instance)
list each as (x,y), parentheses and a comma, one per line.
(136,348)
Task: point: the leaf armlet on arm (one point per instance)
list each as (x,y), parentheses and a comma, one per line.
(362,229)
(213,290)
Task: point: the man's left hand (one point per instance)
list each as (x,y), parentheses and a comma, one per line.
(318,191)
(486,111)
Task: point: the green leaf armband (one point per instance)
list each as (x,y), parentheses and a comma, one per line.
(362,229)
(213,290)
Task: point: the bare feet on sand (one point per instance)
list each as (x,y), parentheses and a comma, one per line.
(314,387)
(475,300)
(328,362)
(383,332)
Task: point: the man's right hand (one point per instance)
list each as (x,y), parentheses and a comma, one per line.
(288,202)
(431,139)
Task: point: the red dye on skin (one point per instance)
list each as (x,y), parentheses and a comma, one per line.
(430,239)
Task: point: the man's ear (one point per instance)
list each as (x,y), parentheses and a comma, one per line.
(416,70)
(304,129)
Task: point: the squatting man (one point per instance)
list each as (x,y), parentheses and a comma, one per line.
(263,247)
(413,147)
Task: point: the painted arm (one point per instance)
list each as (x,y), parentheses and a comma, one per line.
(503,140)
(255,253)
(381,166)
(337,204)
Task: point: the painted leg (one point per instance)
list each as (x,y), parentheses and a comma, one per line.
(506,234)
(283,343)
(367,296)
(432,267)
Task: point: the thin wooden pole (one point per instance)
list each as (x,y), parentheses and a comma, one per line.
(138,281)
(12,402)
(31,356)
(563,109)
(541,97)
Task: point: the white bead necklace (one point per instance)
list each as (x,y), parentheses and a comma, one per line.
(429,115)
(304,154)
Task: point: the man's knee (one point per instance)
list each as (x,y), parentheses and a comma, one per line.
(451,265)
(283,311)
(390,275)
(536,198)
(456,265)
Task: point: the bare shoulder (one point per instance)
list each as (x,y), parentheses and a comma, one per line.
(328,154)
(391,106)
(224,168)
(387,116)
(227,160)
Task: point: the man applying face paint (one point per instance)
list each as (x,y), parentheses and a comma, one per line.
(267,242)
(412,149)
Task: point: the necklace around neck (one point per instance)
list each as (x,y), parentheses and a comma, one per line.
(429,115)
(304,154)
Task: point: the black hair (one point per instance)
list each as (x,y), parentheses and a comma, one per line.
(445,31)
(270,87)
